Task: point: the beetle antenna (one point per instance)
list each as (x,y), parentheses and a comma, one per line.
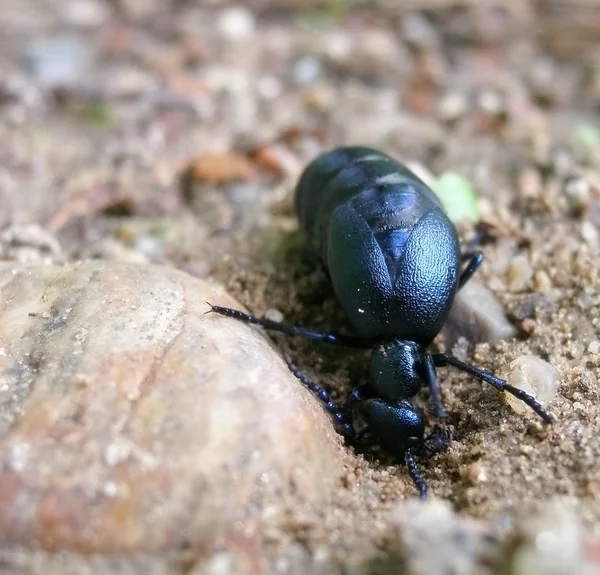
(413,471)
(341,419)
(293,330)
(440,360)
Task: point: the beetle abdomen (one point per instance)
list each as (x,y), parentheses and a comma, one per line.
(391,252)
(385,193)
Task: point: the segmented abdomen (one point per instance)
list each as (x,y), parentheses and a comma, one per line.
(389,197)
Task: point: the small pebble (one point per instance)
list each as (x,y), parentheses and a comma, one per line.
(551,543)
(306,70)
(274,315)
(237,23)
(594,347)
(58,61)
(562,161)
(577,192)
(269,87)
(519,273)
(542,281)
(589,233)
(87,13)
(476,473)
(478,316)
(419,32)
(451,107)
(534,376)
(491,102)
(434,540)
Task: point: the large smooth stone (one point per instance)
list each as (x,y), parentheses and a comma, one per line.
(130,421)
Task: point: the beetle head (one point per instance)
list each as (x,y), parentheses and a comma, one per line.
(396,425)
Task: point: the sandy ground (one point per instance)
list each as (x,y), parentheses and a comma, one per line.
(174,134)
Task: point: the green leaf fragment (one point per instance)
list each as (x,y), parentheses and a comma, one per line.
(588,136)
(458,196)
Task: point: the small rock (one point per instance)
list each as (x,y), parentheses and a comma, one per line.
(435,541)
(562,161)
(476,473)
(478,316)
(534,376)
(419,32)
(133,422)
(274,315)
(86,13)
(29,243)
(491,102)
(578,193)
(269,87)
(550,543)
(306,70)
(237,23)
(111,249)
(452,106)
(519,273)
(535,305)
(589,233)
(57,62)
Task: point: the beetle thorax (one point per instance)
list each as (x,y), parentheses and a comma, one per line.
(393,370)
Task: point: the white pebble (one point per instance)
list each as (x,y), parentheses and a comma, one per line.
(589,233)
(274,315)
(236,23)
(519,273)
(534,376)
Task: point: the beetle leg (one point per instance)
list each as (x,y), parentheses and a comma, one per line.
(432,382)
(413,471)
(333,338)
(437,441)
(342,419)
(472,266)
(360,393)
(440,360)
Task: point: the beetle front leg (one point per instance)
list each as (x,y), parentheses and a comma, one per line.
(415,474)
(437,441)
(293,330)
(343,420)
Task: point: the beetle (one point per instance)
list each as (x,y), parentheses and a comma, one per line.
(394,260)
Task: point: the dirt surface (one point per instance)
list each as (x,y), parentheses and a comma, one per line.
(173,133)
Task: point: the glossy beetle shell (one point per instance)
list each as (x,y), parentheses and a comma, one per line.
(391,252)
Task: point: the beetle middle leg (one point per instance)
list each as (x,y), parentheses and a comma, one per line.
(414,473)
(440,360)
(288,329)
(472,267)
(437,441)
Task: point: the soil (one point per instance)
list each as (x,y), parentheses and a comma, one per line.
(173,133)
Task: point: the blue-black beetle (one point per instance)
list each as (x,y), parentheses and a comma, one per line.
(394,260)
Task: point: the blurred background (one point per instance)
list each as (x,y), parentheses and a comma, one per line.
(168,112)
(173,132)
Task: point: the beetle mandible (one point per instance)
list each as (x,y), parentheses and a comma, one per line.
(394,260)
